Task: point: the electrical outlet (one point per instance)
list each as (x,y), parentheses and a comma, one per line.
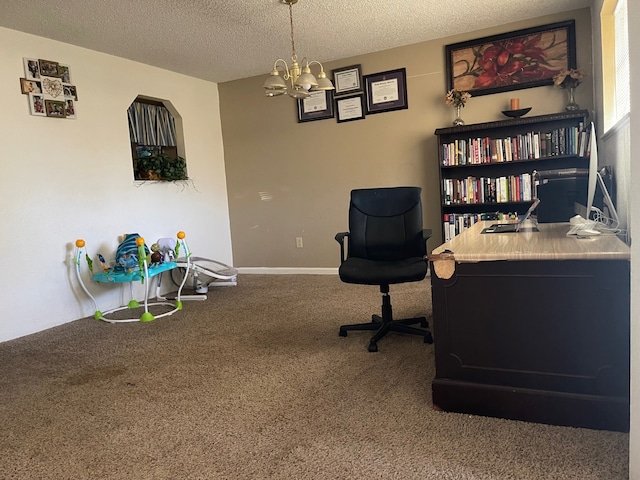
(298,242)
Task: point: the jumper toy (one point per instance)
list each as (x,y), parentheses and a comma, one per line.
(133,264)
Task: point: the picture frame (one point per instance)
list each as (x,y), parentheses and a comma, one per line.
(31,68)
(318,106)
(36,104)
(30,86)
(347,80)
(525,58)
(64,72)
(350,108)
(48,68)
(55,108)
(70,91)
(69,108)
(386,91)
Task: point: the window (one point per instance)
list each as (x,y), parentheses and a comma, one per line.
(622,103)
(615,61)
(154,143)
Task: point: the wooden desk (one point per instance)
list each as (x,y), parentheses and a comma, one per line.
(533,326)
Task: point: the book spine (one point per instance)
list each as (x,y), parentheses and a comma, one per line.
(452,226)
(526,189)
(445,227)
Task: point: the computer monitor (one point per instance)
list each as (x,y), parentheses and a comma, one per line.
(585,205)
(559,191)
(570,191)
(608,214)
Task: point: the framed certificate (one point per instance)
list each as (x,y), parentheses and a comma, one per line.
(318,106)
(350,108)
(386,91)
(347,80)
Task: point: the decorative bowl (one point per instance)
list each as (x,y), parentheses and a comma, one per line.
(517,113)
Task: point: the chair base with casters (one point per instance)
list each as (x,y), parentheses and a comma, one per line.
(385,323)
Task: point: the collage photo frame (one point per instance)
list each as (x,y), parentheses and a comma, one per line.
(49,87)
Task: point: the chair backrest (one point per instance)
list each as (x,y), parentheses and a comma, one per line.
(386,223)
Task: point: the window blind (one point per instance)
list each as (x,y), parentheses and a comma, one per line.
(151,125)
(622,80)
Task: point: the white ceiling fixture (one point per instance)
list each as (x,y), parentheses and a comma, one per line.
(294,81)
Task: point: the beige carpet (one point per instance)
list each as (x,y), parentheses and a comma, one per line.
(255,383)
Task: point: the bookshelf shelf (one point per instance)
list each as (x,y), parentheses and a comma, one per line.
(487,169)
(489,206)
(541,160)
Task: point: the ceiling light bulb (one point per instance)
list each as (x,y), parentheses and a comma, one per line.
(306,80)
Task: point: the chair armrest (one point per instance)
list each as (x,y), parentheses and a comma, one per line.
(340,239)
(426,235)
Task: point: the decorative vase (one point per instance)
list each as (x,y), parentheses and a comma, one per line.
(458,121)
(571,103)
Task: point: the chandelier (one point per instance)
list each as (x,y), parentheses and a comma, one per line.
(295,81)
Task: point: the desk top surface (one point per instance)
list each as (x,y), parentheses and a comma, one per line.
(550,243)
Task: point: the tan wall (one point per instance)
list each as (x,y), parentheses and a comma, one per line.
(288,180)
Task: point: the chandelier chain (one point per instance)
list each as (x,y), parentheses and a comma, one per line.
(293,44)
(296,81)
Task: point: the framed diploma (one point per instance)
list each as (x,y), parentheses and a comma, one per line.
(347,80)
(318,106)
(350,108)
(386,91)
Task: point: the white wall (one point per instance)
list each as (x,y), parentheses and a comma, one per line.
(625,175)
(634,40)
(65,179)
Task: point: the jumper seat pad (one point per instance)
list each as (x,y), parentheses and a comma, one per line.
(121,276)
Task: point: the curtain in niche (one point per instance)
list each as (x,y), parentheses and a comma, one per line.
(151,125)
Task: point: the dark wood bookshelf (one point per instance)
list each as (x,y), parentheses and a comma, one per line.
(561,151)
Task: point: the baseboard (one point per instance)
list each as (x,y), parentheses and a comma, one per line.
(599,412)
(291,271)
(287,271)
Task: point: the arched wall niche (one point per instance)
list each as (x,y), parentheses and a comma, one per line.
(157,140)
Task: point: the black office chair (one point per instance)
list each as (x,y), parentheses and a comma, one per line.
(386,245)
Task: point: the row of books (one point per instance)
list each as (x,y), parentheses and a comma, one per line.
(456,223)
(527,146)
(471,190)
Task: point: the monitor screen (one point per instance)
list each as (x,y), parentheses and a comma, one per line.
(559,191)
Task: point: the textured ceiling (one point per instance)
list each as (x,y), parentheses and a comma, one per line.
(221,40)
